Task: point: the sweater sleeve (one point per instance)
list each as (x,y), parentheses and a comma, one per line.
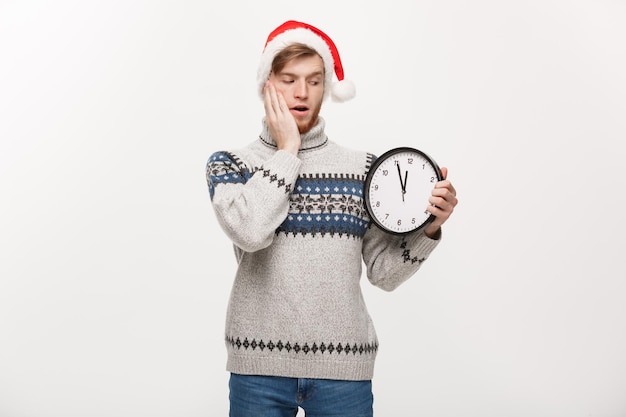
(393,259)
(251,204)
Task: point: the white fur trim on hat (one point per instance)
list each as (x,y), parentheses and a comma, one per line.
(340,91)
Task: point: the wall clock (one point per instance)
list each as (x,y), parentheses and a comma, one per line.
(397,189)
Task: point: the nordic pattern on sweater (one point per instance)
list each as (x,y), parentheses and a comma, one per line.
(296,308)
(226,168)
(321,203)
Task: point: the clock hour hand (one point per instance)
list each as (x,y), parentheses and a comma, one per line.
(406,173)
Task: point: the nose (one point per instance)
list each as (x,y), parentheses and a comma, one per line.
(301,89)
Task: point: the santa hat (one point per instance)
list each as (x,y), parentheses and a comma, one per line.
(297,32)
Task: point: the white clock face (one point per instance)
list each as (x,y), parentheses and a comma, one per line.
(398,188)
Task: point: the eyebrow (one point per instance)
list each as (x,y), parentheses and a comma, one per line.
(314,74)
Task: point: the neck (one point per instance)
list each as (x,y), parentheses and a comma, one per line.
(311,139)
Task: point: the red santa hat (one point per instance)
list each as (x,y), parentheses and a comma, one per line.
(297,32)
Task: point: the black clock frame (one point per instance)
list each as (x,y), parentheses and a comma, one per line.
(368,179)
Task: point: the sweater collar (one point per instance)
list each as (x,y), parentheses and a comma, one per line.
(313,139)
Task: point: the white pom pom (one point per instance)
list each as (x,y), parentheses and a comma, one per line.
(343,91)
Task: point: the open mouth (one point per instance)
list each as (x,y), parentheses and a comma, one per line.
(300,108)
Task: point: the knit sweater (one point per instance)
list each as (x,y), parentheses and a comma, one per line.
(301,235)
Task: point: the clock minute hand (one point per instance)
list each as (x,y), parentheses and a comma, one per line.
(402,183)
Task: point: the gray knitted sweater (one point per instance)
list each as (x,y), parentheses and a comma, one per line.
(301,235)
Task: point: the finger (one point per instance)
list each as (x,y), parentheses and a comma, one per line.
(446,204)
(445,186)
(265,87)
(445,191)
(450,188)
(440,215)
(445,183)
(282,104)
(267,99)
(274,98)
(439,202)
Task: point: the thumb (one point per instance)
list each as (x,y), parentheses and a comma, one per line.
(444,172)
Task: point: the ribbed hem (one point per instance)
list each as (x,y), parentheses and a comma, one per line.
(348,370)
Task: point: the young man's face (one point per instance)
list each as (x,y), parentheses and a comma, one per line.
(301,82)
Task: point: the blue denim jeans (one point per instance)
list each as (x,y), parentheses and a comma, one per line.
(273,396)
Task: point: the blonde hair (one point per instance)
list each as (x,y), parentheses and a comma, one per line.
(289,53)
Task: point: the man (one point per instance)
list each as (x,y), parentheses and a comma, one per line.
(297,331)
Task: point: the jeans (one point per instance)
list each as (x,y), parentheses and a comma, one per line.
(273,396)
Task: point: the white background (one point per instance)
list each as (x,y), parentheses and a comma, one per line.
(114,275)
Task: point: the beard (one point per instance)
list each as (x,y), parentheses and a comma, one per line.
(308,123)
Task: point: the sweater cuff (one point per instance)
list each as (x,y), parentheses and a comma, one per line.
(285,165)
(437,235)
(421,243)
